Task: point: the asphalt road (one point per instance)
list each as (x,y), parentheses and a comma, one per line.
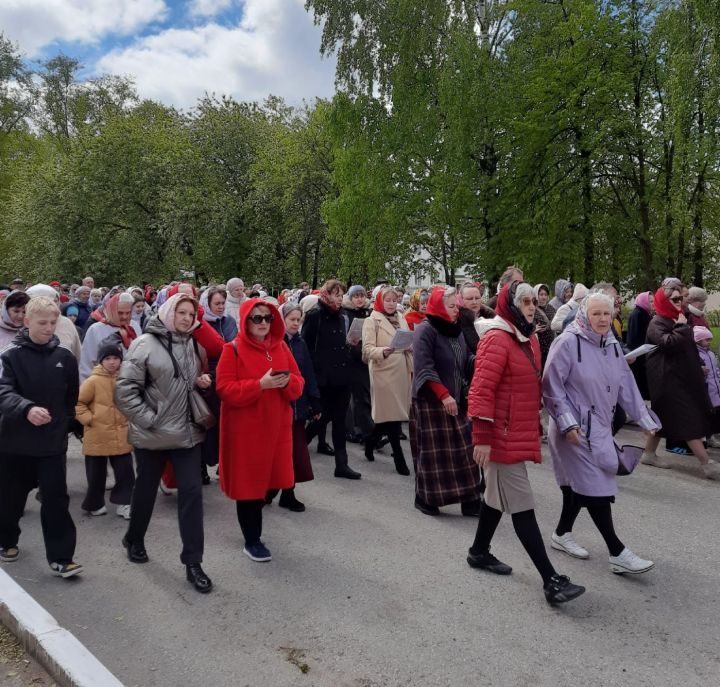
(365,591)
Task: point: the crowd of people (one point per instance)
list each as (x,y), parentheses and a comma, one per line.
(163,385)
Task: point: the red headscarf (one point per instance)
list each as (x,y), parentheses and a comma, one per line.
(664,307)
(108,314)
(436,304)
(379,303)
(327,300)
(176,289)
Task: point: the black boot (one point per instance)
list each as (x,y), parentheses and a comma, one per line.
(369,448)
(325,448)
(289,501)
(199,579)
(342,469)
(270,495)
(400,464)
(135,551)
(204,474)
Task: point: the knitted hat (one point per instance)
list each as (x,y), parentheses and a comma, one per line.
(701,334)
(356,289)
(109,347)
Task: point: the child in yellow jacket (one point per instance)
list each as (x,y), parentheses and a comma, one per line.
(105,436)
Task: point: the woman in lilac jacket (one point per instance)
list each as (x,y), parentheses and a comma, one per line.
(585,377)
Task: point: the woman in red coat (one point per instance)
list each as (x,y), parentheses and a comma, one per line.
(256,379)
(504,403)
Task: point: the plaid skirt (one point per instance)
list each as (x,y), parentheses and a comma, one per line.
(442,451)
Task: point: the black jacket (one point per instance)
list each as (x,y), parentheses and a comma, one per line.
(36,375)
(325,333)
(360,372)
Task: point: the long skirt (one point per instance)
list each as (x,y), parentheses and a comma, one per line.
(442,451)
(300,454)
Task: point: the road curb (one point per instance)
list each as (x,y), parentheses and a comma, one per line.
(59,651)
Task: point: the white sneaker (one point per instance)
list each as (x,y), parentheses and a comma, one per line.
(99,511)
(628,562)
(167,490)
(711,470)
(567,544)
(655,460)
(124,511)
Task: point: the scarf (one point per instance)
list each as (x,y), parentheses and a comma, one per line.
(108,314)
(166,313)
(327,300)
(379,306)
(643,301)
(438,317)
(507,309)
(664,307)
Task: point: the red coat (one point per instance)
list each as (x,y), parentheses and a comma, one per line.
(506,390)
(256,424)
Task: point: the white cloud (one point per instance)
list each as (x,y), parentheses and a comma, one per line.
(34,24)
(273,49)
(208,8)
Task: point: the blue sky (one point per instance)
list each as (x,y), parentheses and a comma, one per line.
(176,50)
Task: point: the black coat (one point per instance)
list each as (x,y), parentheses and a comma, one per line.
(360,372)
(309,403)
(676,381)
(325,333)
(36,375)
(467,322)
(637,328)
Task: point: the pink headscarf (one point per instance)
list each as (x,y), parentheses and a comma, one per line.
(642,300)
(166,313)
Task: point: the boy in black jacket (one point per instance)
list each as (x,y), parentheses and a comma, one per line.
(38,392)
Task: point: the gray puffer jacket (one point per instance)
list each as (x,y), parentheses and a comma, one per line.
(152,389)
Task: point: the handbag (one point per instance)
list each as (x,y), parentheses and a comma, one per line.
(628,458)
(200,412)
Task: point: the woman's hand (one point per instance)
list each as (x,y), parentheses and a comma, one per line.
(39,416)
(203,382)
(481,455)
(681,319)
(450,406)
(388,351)
(270,381)
(573,437)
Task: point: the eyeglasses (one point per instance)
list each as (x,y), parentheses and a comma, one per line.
(529,301)
(677,299)
(259,319)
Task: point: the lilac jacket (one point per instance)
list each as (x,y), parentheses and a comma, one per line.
(708,359)
(585,376)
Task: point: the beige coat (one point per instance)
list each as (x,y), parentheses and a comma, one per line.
(390,378)
(106,428)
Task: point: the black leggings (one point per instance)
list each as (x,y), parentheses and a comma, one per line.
(527,531)
(601,514)
(249,515)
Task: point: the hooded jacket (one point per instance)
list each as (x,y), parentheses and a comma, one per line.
(36,375)
(8,331)
(505,391)
(586,377)
(106,428)
(152,388)
(256,423)
(558,322)
(560,286)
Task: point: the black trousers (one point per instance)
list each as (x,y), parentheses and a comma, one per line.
(96,473)
(335,401)
(18,476)
(150,465)
(249,515)
(361,407)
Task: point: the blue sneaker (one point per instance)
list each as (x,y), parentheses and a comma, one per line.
(257,552)
(680,451)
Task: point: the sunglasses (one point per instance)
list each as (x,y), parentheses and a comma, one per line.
(529,301)
(677,299)
(259,319)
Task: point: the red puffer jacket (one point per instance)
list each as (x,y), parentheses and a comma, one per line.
(506,390)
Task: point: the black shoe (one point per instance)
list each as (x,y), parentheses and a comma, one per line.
(382,443)
(400,464)
(486,561)
(426,507)
(369,451)
(289,501)
(199,579)
(560,589)
(471,508)
(347,472)
(325,449)
(135,551)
